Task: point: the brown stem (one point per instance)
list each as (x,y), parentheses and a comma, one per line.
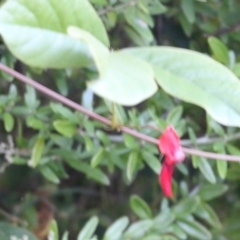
(106,121)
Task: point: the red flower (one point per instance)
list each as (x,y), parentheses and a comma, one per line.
(169,146)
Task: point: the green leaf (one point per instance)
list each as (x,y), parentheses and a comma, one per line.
(126,81)
(93,173)
(220,51)
(35,123)
(64,112)
(98,50)
(140,207)
(103,137)
(8,121)
(185,207)
(115,231)
(205,212)
(232,149)
(195,229)
(175,115)
(30,32)
(138,229)
(206,170)
(222,168)
(88,229)
(130,141)
(152,161)
(221,164)
(65,127)
(53,231)
(49,174)
(9,231)
(30,97)
(195,161)
(196,78)
(61,82)
(188,10)
(163,220)
(132,164)
(97,158)
(37,152)
(65,236)
(209,191)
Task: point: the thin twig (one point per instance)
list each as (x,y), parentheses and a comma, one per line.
(206,140)
(106,121)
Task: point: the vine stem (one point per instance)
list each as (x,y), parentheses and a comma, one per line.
(106,121)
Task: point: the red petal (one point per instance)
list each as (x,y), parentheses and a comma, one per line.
(169,145)
(165,179)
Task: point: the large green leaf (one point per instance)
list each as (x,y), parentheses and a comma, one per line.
(127,80)
(195,78)
(35,31)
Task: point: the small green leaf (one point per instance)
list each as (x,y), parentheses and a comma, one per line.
(31,98)
(140,207)
(65,127)
(232,149)
(195,161)
(195,229)
(13,92)
(152,161)
(209,191)
(221,165)
(49,174)
(88,143)
(93,173)
(175,115)
(53,231)
(185,207)
(35,123)
(222,168)
(205,212)
(8,121)
(115,231)
(64,112)
(103,137)
(61,83)
(37,152)
(188,10)
(206,170)
(192,136)
(88,229)
(96,159)
(163,220)
(132,164)
(65,236)
(130,141)
(138,229)
(220,51)
(19,160)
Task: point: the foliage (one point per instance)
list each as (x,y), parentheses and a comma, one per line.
(58,163)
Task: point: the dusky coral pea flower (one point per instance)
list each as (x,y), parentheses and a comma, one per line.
(169,146)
